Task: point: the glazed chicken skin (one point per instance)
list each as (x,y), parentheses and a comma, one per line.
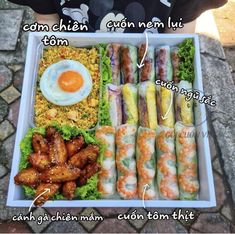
(39,143)
(85,156)
(39,161)
(88,172)
(29,177)
(68,189)
(60,174)
(50,131)
(73,146)
(57,150)
(49,189)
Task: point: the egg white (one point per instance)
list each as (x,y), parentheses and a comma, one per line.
(54,94)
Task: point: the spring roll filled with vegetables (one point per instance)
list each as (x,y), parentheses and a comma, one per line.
(147,72)
(165,107)
(184,108)
(114,96)
(164,70)
(107,175)
(125,161)
(129,64)
(147,105)
(146,163)
(130,109)
(175,63)
(187,161)
(166,164)
(113,52)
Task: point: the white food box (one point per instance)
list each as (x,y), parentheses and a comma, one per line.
(206,197)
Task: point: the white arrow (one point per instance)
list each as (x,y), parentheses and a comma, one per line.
(168,111)
(47,190)
(145,53)
(146,187)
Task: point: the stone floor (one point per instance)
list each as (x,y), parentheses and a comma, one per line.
(218,82)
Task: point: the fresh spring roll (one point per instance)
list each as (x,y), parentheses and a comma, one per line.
(147,105)
(130,109)
(113,52)
(164,70)
(165,107)
(125,161)
(166,164)
(107,175)
(129,64)
(175,63)
(147,72)
(184,108)
(187,161)
(114,96)
(146,163)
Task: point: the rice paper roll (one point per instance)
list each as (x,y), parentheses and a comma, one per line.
(129,64)
(166,164)
(184,108)
(107,175)
(147,105)
(175,63)
(114,96)
(187,161)
(165,107)
(113,52)
(130,109)
(125,161)
(146,163)
(147,72)
(164,70)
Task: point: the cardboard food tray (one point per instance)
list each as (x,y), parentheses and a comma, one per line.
(206,197)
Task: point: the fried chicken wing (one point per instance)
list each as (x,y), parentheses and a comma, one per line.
(29,177)
(47,190)
(88,172)
(74,145)
(68,189)
(60,173)
(39,161)
(57,149)
(39,143)
(50,131)
(86,155)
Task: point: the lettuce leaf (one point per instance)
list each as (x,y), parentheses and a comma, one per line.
(106,78)
(88,191)
(186,66)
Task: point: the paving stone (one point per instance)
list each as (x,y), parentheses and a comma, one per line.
(73,211)
(108,212)
(16,67)
(89,225)
(230,56)
(3,171)
(18,79)
(164,226)
(5,77)
(138,223)
(13,112)
(6,151)
(114,226)
(213,147)
(227,212)
(211,46)
(3,109)
(217,166)
(225,137)
(6,130)
(10,28)
(10,94)
(4,185)
(187,222)
(65,227)
(211,222)
(14,227)
(34,225)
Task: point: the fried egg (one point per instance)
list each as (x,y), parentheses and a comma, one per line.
(66,83)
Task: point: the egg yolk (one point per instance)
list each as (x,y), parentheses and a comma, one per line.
(70,81)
